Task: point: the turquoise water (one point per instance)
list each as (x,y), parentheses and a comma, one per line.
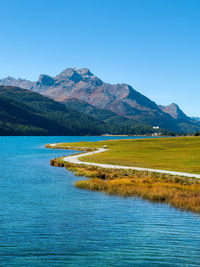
(46,221)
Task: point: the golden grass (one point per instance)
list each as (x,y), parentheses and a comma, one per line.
(179,192)
(184,197)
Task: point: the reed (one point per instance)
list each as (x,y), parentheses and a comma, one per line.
(184,197)
(177,191)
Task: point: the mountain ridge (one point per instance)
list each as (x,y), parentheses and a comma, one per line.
(121,99)
(175,111)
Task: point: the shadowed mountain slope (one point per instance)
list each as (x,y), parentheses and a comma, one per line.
(23,112)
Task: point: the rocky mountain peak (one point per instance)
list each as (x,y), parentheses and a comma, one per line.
(77,75)
(70,74)
(174,106)
(45,80)
(85,72)
(174,111)
(7,79)
(67,72)
(10,81)
(71,71)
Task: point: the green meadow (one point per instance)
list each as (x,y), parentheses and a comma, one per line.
(174,154)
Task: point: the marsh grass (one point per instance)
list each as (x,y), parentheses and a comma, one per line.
(177,191)
(184,197)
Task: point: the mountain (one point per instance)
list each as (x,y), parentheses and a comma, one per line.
(24,112)
(185,123)
(176,113)
(105,115)
(92,95)
(195,118)
(81,84)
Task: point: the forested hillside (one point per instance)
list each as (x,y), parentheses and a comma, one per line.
(23,112)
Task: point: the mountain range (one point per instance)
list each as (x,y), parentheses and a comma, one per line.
(81,90)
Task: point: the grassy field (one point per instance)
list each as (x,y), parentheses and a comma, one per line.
(175,154)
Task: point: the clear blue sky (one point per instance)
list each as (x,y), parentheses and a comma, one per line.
(153,45)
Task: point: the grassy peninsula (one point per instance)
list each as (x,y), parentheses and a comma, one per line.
(178,154)
(174,154)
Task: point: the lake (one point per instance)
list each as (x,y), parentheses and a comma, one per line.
(46,221)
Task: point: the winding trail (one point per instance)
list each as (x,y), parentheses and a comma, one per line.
(75,159)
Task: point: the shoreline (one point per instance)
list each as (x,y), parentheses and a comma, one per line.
(177,189)
(75,160)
